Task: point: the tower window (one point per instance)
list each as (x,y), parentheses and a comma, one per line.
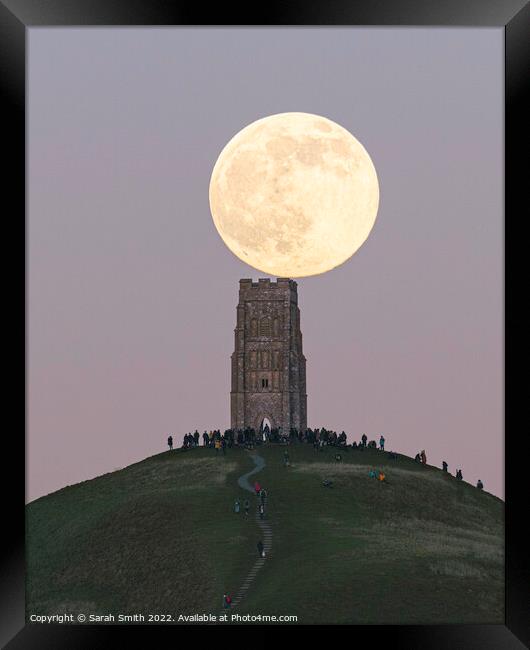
(265,327)
(264,383)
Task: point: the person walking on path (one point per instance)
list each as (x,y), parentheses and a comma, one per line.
(236,506)
(263,495)
(261,510)
(423,457)
(382,443)
(170,442)
(261,550)
(257,488)
(246,506)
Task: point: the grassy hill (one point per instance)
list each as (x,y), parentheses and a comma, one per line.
(160,536)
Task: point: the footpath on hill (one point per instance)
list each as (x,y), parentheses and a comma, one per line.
(264,526)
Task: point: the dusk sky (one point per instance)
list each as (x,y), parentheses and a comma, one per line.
(132,293)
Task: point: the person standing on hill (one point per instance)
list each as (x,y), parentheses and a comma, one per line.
(423,457)
(364,438)
(480,485)
(382,443)
(170,442)
(205,439)
(444,466)
(459,475)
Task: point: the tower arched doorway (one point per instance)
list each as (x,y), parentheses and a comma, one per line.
(264,428)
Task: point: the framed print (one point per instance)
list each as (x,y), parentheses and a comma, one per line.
(268,322)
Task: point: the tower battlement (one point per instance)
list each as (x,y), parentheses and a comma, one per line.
(267,289)
(248,282)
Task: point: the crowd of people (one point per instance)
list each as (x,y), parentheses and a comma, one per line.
(319,438)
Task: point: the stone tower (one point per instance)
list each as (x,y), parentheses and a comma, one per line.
(268,366)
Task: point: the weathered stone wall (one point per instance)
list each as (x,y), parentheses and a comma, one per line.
(268,365)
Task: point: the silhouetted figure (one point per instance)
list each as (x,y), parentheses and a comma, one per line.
(205,439)
(382,443)
(423,457)
(480,485)
(459,475)
(223,446)
(364,438)
(170,442)
(196,438)
(417,458)
(261,550)
(444,466)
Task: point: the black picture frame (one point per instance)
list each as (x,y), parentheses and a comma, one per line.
(16,17)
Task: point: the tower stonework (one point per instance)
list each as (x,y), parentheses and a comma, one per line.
(268,365)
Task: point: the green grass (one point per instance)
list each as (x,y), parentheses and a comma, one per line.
(160,537)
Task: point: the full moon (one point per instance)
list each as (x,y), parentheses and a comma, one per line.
(294,194)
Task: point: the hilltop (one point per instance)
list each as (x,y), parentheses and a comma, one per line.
(160,536)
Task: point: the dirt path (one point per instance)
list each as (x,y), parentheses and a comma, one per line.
(265,527)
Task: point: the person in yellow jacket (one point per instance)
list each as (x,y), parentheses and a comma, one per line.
(217,446)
